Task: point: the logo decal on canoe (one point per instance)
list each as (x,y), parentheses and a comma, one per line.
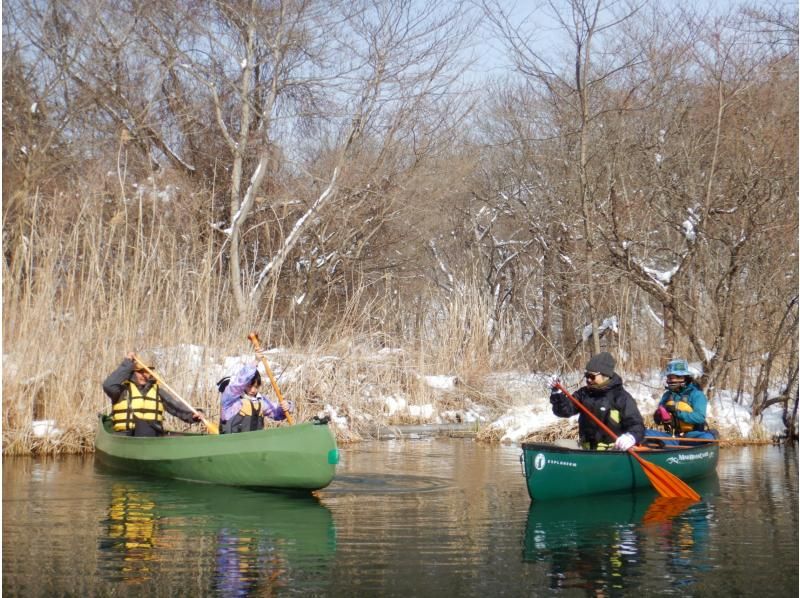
(539,461)
(678,459)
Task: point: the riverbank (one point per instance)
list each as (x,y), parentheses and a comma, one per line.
(372,397)
(48,439)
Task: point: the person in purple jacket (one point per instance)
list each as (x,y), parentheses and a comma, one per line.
(243,408)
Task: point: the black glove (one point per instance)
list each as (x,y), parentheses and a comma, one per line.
(556,396)
(670,406)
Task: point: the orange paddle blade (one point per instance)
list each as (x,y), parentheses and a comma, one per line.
(666,484)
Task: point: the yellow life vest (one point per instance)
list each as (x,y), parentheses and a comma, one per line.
(683,426)
(250,407)
(133,404)
(613,421)
(601,446)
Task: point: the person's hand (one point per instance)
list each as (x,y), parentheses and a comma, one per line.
(669,406)
(198,415)
(624,442)
(552,381)
(556,396)
(661,415)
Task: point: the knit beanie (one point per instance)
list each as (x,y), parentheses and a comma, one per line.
(602,363)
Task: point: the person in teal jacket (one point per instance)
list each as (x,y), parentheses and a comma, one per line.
(682,408)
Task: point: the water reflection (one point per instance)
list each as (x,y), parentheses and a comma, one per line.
(605,544)
(252,542)
(131,532)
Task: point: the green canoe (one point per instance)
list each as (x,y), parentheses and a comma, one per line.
(299,457)
(557,472)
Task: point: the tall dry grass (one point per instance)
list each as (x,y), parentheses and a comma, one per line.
(90,278)
(94,278)
(86,287)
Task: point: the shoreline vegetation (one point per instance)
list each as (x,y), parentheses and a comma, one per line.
(417,236)
(80,441)
(378,408)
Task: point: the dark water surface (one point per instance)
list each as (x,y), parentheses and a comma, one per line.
(435,517)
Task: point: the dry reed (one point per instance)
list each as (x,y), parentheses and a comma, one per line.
(93,279)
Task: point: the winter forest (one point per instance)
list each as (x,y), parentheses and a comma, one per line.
(392,189)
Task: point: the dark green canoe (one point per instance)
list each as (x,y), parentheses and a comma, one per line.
(299,457)
(557,472)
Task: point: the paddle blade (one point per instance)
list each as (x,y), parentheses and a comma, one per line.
(211,427)
(666,484)
(664,509)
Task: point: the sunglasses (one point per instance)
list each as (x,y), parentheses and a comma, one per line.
(590,375)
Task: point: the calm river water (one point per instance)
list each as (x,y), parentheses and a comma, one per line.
(430,517)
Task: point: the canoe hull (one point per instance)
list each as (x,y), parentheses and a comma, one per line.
(299,457)
(554,472)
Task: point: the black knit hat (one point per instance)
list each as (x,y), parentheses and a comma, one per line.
(602,363)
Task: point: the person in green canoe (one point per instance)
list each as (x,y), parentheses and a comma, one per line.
(243,408)
(682,408)
(605,397)
(137,402)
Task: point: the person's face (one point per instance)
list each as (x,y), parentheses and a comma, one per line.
(140,377)
(595,378)
(252,389)
(676,383)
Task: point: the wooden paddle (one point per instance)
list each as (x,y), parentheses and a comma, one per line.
(210,426)
(666,484)
(253,338)
(683,439)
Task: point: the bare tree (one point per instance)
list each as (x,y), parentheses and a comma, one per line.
(575,93)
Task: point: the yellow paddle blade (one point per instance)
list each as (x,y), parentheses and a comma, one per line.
(211,426)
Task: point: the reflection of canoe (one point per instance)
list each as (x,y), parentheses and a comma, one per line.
(302,524)
(581,521)
(589,521)
(299,457)
(557,472)
(243,541)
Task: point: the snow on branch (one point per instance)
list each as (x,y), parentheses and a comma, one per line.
(277,261)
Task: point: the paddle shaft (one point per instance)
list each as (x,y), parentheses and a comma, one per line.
(253,338)
(210,426)
(683,439)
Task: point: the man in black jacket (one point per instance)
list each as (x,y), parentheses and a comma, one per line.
(605,397)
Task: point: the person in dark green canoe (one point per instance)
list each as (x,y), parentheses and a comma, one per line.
(605,397)
(682,408)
